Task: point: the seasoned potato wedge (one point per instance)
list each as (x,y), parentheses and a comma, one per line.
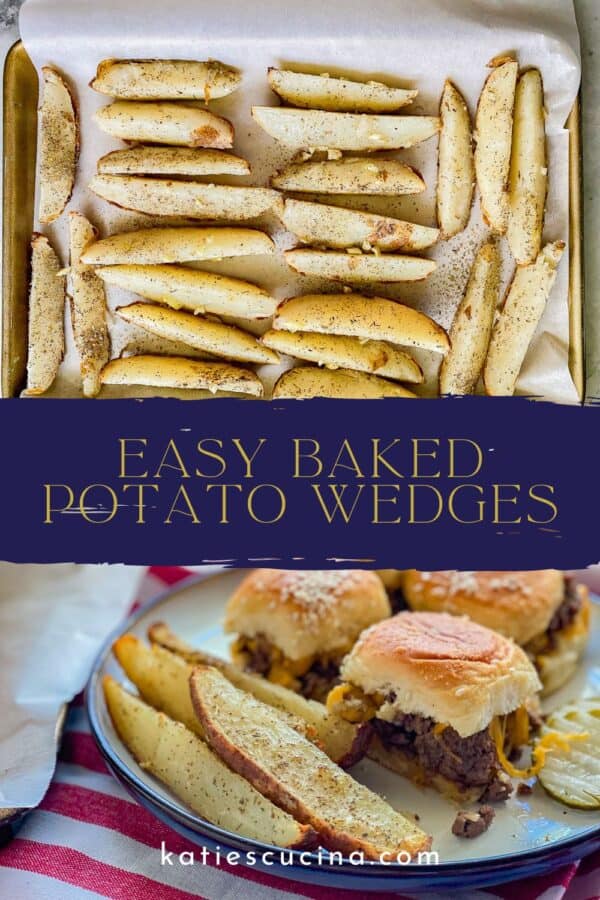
(201,292)
(173,245)
(147,344)
(46,338)
(334,226)
(528,179)
(59,146)
(151,160)
(296,774)
(343,131)
(350,175)
(177,372)
(340,740)
(306,382)
(523,307)
(367,318)
(337,94)
(88,308)
(493,140)
(337,351)
(214,338)
(359,266)
(472,325)
(165,123)
(165,79)
(182,761)
(160,197)
(456,170)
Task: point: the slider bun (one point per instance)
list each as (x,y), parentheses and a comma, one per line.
(557,665)
(305,613)
(446,667)
(519,605)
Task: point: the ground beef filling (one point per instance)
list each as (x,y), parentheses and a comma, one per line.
(315,683)
(567,611)
(468,762)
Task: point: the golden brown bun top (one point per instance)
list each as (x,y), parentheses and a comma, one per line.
(519,605)
(304,612)
(446,667)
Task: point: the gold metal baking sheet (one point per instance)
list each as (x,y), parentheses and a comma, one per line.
(20,141)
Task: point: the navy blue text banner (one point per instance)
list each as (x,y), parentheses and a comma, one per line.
(466,483)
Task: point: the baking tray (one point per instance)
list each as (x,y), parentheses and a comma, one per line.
(21,92)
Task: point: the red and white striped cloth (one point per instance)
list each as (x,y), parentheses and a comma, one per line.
(90,839)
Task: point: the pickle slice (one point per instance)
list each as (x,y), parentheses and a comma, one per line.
(573,776)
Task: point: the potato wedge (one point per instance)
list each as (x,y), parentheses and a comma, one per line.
(338,94)
(456,169)
(336,351)
(59,146)
(165,123)
(165,79)
(340,740)
(350,175)
(172,245)
(334,226)
(522,310)
(214,338)
(145,343)
(306,382)
(528,179)
(343,131)
(177,372)
(295,774)
(46,330)
(88,308)
(151,160)
(472,326)
(200,292)
(160,197)
(182,761)
(493,140)
(359,267)
(367,318)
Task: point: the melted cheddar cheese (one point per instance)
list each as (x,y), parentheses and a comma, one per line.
(551,741)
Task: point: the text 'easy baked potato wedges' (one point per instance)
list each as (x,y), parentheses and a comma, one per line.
(343,131)
(165,123)
(359,267)
(184,762)
(340,740)
(178,372)
(493,141)
(46,328)
(214,338)
(334,226)
(337,94)
(296,775)
(528,180)
(522,310)
(472,326)
(193,289)
(151,246)
(163,160)
(59,146)
(88,308)
(367,318)
(456,171)
(165,79)
(189,199)
(306,382)
(337,351)
(350,175)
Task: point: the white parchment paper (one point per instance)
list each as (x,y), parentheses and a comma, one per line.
(400,41)
(53,619)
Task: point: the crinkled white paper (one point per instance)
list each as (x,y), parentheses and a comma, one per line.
(415,44)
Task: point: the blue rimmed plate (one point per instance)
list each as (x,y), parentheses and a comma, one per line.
(529,836)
